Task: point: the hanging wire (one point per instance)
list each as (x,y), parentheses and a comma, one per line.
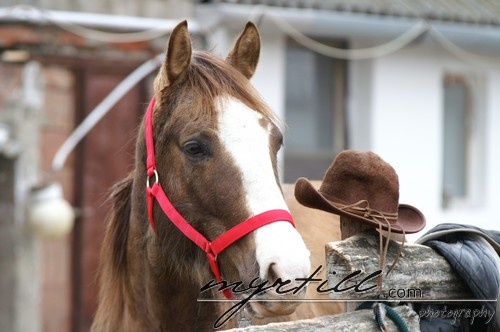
(421,27)
(25,11)
(474,59)
(102,109)
(258,13)
(417,30)
(110,37)
(358,54)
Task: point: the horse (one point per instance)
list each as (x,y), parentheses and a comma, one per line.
(204,204)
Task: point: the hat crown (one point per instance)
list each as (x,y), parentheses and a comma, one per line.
(362,175)
(363,187)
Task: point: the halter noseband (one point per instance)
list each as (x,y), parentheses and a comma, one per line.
(212,249)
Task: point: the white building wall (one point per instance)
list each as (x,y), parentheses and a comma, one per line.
(395,106)
(406,127)
(407,123)
(493,144)
(360,104)
(269,79)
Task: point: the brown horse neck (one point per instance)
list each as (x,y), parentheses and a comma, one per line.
(137,292)
(165,272)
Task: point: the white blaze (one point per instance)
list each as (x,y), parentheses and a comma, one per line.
(248,143)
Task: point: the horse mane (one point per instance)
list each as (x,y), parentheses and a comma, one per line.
(113,258)
(119,223)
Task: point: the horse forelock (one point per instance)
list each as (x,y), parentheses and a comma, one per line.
(206,78)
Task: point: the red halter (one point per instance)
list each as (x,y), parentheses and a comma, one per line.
(212,249)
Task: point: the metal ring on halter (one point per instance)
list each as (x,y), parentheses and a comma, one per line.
(157,179)
(244,318)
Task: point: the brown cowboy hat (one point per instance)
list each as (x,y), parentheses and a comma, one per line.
(361,186)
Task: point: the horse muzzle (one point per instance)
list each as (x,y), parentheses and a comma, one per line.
(273,303)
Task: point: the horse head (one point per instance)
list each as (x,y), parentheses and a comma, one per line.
(216,144)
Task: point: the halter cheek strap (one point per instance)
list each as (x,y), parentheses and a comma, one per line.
(214,248)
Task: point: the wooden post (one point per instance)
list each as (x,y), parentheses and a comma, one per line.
(350,227)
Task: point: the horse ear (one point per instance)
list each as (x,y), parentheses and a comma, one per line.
(245,53)
(178,53)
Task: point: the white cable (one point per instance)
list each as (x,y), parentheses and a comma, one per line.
(102,109)
(29,12)
(368,53)
(350,54)
(459,52)
(347,54)
(110,37)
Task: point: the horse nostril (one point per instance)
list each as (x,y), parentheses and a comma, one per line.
(274,273)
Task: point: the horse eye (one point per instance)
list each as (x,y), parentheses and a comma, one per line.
(195,149)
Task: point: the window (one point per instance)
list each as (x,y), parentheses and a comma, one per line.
(314,112)
(463,141)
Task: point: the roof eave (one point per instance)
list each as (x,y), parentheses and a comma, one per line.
(330,24)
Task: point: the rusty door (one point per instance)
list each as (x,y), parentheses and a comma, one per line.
(105,156)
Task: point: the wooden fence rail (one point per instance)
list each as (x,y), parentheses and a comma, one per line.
(361,320)
(420,274)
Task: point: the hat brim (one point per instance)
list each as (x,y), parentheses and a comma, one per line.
(410,219)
